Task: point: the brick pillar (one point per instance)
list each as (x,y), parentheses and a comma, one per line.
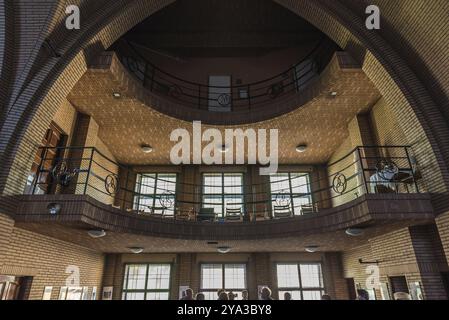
(263,274)
(6,227)
(113,275)
(334,280)
(431,260)
(85,135)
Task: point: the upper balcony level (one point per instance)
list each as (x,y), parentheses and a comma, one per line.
(369,185)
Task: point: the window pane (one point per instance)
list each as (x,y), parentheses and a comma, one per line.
(210,295)
(157,296)
(311,276)
(166,183)
(233,183)
(147,183)
(213,202)
(279,183)
(235,276)
(300,182)
(136,276)
(298,202)
(211,276)
(296,294)
(133,296)
(312,295)
(288,276)
(159,277)
(213,184)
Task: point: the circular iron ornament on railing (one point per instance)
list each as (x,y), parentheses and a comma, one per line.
(339,183)
(224,99)
(62,174)
(282,199)
(175,91)
(111,184)
(386,169)
(167,200)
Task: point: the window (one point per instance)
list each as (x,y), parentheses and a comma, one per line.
(303,281)
(155,192)
(291,189)
(146,282)
(222,190)
(230,277)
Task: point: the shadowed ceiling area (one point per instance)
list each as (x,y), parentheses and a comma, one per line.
(207,28)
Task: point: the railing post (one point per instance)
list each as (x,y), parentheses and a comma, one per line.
(362,168)
(88,170)
(39,169)
(411,168)
(199,96)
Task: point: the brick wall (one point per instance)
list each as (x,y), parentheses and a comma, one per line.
(46,260)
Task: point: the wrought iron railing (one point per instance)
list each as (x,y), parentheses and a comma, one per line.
(227,98)
(87,171)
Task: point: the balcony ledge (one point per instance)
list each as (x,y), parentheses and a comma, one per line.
(82,211)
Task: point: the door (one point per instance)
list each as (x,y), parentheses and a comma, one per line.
(399,284)
(351,288)
(39,180)
(220,94)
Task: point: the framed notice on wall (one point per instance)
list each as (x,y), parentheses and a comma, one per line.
(94,294)
(107,293)
(62,293)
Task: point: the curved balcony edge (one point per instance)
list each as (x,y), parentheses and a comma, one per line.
(82,211)
(281,105)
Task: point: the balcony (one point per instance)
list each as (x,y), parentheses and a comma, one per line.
(367,186)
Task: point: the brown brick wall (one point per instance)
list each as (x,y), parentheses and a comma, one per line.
(46,260)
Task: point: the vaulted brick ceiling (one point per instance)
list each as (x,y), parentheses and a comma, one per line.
(128,122)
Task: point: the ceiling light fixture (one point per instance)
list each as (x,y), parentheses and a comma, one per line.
(117,95)
(301,148)
(223,249)
(96,233)
(354,232)
(311,248)
(136,250)
(54,208)
(333,93)
(146,148)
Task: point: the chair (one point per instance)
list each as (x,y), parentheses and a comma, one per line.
(280,212)
(157,211)
(233,214)
(380,188)
(206,214)
(307,209)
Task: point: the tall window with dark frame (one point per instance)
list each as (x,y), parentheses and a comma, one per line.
(146,282)
(304,281)
(155,192)
(223,190)
(291,189)
(229,277)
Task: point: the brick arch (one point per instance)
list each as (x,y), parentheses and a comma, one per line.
(386,70)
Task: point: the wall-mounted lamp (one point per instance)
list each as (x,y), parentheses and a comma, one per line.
(54,208)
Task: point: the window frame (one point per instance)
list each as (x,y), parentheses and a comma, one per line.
(292,195)
(300,288)
(145,291)
(222,195)
(223,276)
(138,195)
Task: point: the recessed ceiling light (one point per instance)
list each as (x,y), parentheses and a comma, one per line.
(223,249)
(354,232)
(333,93)
(301,148)
(146,148)
(96,233)
(136,250)
(312,248)
(117,95)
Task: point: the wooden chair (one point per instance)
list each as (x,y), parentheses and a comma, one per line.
(157,211)
(185,214)
(280,212)
(206,214)
(233,214)
(307,209)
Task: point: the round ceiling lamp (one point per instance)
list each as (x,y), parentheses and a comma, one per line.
(354,232)
(301,148)
(146,148)
(136,250)
(223,249)
(312,248)
(96,233)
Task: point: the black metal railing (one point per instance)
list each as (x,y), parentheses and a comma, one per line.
(87,171)
(233,97)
